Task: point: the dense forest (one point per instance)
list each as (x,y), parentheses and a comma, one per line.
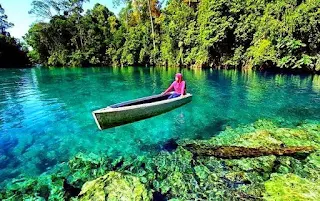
(262,34)
(190,33)
(12,53)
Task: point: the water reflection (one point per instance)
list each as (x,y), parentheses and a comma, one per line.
(316,83)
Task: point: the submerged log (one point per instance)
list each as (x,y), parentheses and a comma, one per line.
(234,152)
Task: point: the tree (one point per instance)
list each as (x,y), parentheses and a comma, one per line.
(179,34)
(216,26)
(47,9)
(138,7)
(12,54)
(282,34)
(59,42)
(4,24)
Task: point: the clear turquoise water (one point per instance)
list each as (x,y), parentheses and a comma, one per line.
(45,114)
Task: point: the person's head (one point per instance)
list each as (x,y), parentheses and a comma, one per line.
(179,77)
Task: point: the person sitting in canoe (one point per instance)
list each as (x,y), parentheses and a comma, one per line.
(179,87)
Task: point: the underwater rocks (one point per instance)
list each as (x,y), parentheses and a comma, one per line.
(83,168)
(45,187)
(114,186)
(291,187)
(186,174)
(233,158)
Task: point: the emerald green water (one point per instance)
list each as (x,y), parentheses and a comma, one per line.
(45,113)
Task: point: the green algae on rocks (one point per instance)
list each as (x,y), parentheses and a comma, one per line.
(114,186)
(291,187)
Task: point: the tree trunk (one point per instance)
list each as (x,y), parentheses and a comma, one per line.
(80,31)
(234,152)
(152,29)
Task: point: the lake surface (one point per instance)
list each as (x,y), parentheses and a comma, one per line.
(45,113)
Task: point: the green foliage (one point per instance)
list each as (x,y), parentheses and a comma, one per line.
(285,24)
(60,43)
(261,52)
(178,22)
(282,34)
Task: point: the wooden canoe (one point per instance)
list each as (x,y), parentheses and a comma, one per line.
(139,109)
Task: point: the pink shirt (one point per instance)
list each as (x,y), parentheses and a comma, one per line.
(179,88)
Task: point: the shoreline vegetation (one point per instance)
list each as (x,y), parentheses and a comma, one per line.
(280,36)
(184,174)
(12,52)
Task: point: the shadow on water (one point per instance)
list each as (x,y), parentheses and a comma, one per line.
(45,163)
(7,144)
(158,196)
(214,128)
(170,145)
(7,158)
(300,112)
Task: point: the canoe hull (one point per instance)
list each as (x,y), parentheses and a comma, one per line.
(112,117)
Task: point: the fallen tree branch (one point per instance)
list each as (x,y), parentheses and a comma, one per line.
(234,152)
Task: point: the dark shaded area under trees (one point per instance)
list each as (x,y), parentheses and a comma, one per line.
(12,53)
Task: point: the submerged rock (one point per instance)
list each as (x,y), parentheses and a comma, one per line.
(186,175)
(114,186)
(87,167)
(291,187)
(257,139)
